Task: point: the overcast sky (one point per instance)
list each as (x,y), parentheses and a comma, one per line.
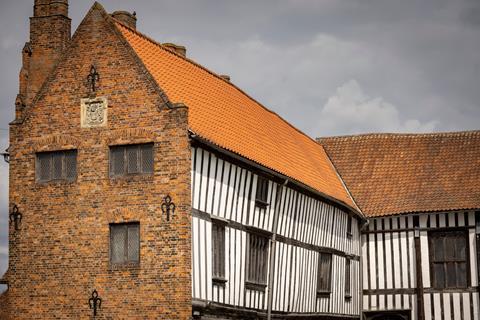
(329,67)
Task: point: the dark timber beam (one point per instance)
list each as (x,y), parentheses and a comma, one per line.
(202,308)
(477,231)
(418,266)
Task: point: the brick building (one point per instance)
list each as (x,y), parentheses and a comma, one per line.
(143,179)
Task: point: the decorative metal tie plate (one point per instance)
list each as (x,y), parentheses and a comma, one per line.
(168,207)
(95,302)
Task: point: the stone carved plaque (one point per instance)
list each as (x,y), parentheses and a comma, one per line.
(94,112)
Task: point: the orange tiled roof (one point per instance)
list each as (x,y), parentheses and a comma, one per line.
(399,173)
(224,115)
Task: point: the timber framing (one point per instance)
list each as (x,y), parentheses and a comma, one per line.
(250,229)
(206,308)
(273,175)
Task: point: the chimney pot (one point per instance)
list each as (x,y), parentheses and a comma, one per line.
(225,77)
(127,18)
(181,50)
(50,29)
(45,8)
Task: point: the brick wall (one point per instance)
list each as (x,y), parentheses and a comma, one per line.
(50,30)
(3,306)
(61,252)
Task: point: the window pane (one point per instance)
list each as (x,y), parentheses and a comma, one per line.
(57,165)
(347,277)
(218,247)
(449,271)
(133,243)
(258,255)
(44,166)
(71,164)
(451,275)
(262,189)
(438,249)
(264,260)
(215,250)
(438,275)
(460,246)
(147,158)
(132,159)
(450,247)
(323,283)
(253,258)
(461,275)
(118,238)
(117,160)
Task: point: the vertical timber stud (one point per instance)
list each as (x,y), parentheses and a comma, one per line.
(418,267)
(477,231)
(273,248)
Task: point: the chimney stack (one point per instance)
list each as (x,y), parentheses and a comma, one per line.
(127,18)
(50,29)
(225,77)
(181,50)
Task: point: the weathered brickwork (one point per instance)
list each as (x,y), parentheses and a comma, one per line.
(61,253)
(49,36)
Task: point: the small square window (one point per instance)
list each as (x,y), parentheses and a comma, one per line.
(56,166)
(133,159)
(125,243)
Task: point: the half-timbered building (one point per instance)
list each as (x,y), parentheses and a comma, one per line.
(143,185)
(421,194)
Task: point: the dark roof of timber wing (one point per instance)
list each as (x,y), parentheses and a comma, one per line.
(391,174)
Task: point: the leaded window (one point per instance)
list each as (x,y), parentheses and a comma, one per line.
(261,196)
(218,248)
(125,243)
(56,166)
(324,273)
(131,159)
(448,259)
(348,280)
(257,259)
(349,226)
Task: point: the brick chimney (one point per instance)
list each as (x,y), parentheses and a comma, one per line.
(49,36)
(181,50)
(127,18)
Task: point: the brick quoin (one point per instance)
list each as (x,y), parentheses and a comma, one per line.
(61,253)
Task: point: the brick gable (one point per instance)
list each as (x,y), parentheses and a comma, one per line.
(61,252)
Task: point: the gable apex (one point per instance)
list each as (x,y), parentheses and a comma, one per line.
(96,12)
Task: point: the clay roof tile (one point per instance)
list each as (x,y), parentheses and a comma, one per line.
(391,174)
(223,114)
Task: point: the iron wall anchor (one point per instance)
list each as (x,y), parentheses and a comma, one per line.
(95,302)
(15,217)
(168,207)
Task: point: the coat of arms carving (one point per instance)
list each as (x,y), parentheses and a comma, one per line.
(94,112)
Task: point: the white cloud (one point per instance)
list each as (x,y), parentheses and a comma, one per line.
(350,107)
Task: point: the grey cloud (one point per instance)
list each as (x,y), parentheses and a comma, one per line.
(471,16)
